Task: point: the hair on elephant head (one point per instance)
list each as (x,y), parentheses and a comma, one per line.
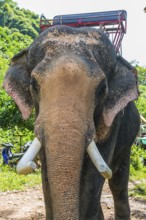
(82,91)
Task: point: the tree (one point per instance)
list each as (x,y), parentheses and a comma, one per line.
(12,16)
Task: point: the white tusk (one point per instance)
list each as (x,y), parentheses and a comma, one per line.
(98,161)
(26,164)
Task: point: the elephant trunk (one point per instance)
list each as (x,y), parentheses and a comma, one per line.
(66,116)
(65,146)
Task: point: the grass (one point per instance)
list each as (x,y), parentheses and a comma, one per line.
(137,174)
(139,189)
(138,178)
(10,180)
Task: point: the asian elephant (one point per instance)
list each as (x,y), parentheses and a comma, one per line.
(82,91)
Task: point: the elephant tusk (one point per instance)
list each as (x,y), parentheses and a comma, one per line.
(26,164)
(98,161)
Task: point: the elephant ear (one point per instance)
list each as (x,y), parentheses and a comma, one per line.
(123,89)
(17,83)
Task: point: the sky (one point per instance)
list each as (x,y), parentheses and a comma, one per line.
(134,41)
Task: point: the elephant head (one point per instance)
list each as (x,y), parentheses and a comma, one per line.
(78,86)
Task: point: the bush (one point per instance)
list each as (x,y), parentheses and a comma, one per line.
(137,157)
(140,103)
(17,136)
(137,168)
(141,75)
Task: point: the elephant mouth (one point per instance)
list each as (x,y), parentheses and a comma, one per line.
(26,164)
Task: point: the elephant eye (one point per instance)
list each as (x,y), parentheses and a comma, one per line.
(34,85)
(101,89)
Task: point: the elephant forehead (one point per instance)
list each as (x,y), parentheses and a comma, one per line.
(69,65)
(88,39)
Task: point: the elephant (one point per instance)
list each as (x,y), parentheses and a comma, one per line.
(82,92)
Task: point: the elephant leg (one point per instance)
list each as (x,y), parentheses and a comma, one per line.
(46,187)
(90,192)
(92,181)
(119,188)
(121,162)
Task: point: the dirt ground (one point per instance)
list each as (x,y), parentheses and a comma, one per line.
(29,205)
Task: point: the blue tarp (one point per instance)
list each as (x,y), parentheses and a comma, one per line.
(90,17)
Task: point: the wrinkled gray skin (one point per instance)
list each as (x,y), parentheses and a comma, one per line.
(81,92)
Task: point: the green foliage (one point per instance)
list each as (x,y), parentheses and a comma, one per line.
(137,156)
(141,75)
(18,136)
(139,190)
(11,42)
(10,180)
(25,21)
(3,67)
(141,102)
(138,172)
